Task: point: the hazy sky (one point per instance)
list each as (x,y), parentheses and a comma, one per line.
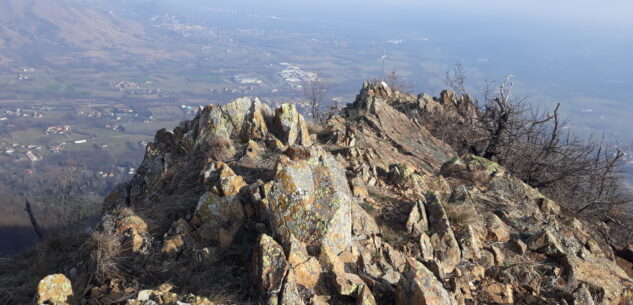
(614,14)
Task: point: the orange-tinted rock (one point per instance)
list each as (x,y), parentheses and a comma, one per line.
(54,289)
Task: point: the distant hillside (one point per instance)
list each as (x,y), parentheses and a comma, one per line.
(62,32)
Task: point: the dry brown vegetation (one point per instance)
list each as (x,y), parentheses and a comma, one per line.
(459,215)
(220,149)
(20,274)
(533,144)
(107,255)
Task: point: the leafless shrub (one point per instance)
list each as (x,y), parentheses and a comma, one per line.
(221,148)
(455,78)
(107,255)
(315,127)
(395,81)
(459,215)
(315,91)
(581,174)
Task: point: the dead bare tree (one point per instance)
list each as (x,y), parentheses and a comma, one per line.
(315,91)
(455,78)
(34,223)
(582,174)
(502,119)
(395,81)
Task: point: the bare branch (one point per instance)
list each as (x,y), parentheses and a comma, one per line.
(315,91)
(36,226)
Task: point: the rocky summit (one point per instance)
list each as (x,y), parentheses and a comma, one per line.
(245,204)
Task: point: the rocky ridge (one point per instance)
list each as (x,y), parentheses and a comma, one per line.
(372,209)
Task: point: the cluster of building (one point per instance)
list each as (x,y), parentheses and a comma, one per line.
(59,130)
(35,112)
(24,152)
(24,73)
(115,127)
(294,75)
(171,23)
(246,80)
(34,152)
(125,85)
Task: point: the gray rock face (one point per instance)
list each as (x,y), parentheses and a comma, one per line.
(379,128)
(445,246)
(229,120)
(420,287)
(290,126)
(310,199)
(417,221)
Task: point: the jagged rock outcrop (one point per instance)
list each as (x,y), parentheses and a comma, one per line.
(381,135)
(374,211)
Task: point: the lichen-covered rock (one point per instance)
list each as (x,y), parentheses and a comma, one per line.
(497,229)
(310,199)
(612,283)
(228,183)
(176,238)
(363,224)
(384,135)
(54,289)
(270,266)
(498,293)
(218,218)
(469,242)
(522,277)
(228,120)
(420,287)
(307,269)
(289,293)
(255,127)
(582,296)
(290,126)
(445,246)
(545,242)
(348,284)
(426,248)
(417,221)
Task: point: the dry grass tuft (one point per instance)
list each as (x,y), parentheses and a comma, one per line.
(107,255)
(315,127)
(221,149)
(460,215)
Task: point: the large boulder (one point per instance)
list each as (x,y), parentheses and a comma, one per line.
(603,275)
(420,287)
(290,126)
(310,199)
(229,120)
(220,214)
(417,221)
(270,266)
(219,218)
